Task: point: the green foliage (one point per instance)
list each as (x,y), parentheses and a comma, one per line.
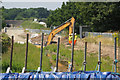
(2,18)
(49,49)
(99,16)
(3,24)
(5,42)
(21,14)
(19,58)
(115,35)
(32,25)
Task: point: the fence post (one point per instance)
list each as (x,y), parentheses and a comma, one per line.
(80,32)
(115,57)
(26,51)
(118,66)
(72,54)
(99,57)
(57,57)
(41,52)
(84,63)
(11,53)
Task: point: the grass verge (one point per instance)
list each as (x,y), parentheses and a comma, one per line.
(65,55)
(92,59)
(32,25)
(19,59)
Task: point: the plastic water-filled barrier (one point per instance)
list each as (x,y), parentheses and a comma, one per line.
(78,75)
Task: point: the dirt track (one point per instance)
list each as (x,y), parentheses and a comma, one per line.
(62,67)
(16,33)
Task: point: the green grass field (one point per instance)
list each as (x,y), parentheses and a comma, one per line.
(65,54)
(19,58)
(32,25)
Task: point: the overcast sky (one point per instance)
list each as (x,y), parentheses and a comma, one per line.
(49,4)
(34,0)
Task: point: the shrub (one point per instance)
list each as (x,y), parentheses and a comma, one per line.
(5,42)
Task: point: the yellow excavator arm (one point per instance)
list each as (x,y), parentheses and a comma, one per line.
(61,27)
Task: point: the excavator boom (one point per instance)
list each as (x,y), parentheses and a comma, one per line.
(60,28)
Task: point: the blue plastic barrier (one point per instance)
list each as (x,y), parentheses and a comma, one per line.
(79,75)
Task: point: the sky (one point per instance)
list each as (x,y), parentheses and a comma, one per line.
(49,4)
(34,0)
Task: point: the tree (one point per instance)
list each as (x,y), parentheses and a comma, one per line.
(2,18)
(18,13)
(5,42)
(99,16)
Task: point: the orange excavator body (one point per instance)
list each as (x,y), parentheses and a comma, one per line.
(69,23)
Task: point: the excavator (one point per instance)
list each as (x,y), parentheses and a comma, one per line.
(52,34)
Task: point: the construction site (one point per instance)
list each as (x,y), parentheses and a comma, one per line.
(73,41)
(63,66)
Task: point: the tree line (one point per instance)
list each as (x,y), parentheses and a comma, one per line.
(99,16)
(23,14)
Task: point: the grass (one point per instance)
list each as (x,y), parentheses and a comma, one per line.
(65,54)
(97,39)
(32,25)
(19,58)
(104,40)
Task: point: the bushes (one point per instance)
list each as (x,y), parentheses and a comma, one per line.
(5,42)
